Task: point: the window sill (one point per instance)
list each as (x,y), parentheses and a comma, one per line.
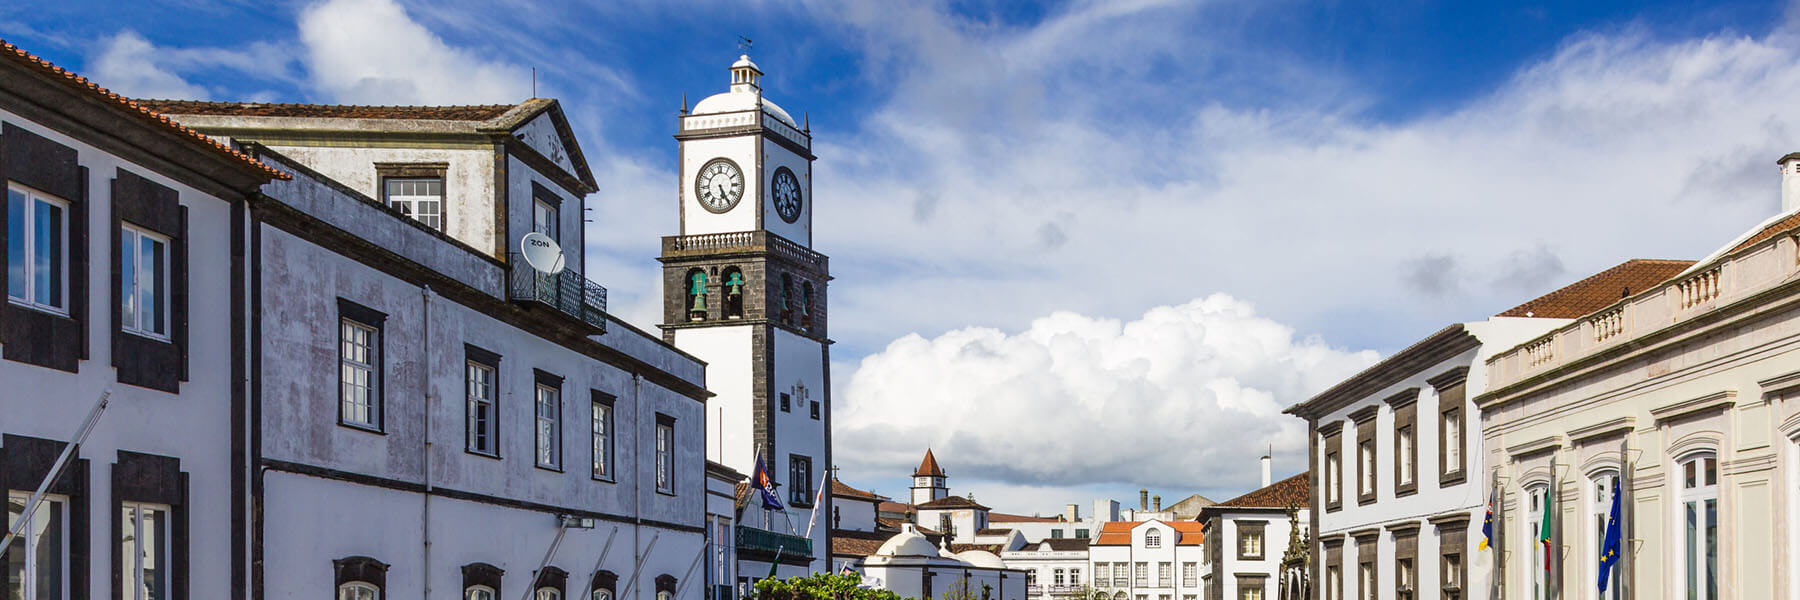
(361,427)
(606,479)
(492,455)
(1406,491)
(1452,478)
(669,493)
(55,312)
(550,468)
(148,336)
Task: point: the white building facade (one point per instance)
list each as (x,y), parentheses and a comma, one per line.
(1250,535)
(1148,560)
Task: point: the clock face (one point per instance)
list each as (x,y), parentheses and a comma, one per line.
(785,190)
(719,185)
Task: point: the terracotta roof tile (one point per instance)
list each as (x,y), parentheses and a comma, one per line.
(339,111)
(1118,533)
(70,79)
(1792,221)
(928,467)
(1601,290)
(856,543)
(839,489)
(993,531)
(1295,491)
(950,502)
(994,548)
(994,517)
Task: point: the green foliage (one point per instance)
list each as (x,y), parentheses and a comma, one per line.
(821,586)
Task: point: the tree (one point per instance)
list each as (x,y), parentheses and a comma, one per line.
(821,586)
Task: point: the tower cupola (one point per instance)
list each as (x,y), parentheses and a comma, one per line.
(745,77)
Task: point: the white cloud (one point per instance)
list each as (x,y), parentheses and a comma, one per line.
(373,52)
(1183,395)
(130,65)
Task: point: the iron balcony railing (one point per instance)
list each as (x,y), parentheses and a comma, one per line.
(567,292)
(763,541)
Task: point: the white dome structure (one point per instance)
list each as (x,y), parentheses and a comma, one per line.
(745,94)
(907,543)
(981,558)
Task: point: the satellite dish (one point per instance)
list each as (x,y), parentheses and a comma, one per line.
(542,253)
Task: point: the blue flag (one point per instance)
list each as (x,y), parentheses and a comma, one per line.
(1487,525)
(765,486)
(1609,546)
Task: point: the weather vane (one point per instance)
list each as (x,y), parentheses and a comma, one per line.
(744,44)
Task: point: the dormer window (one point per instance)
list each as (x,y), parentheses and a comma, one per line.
(416,190)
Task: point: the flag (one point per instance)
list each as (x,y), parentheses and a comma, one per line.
(1544,530)
(1609,545)
(765,486)
(818,499)
(1487,524)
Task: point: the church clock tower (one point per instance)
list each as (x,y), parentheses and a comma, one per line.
(744,291)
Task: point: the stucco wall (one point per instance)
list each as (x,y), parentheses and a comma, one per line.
(468,184)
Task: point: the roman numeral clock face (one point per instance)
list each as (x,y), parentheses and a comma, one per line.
(719,185)
(784,188)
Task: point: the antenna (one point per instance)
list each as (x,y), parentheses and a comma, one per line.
(744,44)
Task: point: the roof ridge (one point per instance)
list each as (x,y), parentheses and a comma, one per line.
(319,104)
(79,80)
(1615,269)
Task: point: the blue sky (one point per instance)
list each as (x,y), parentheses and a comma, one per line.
(1293,188)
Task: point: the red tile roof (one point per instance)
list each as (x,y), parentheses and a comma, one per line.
(1772,230)
(1294,491)
(839,489)
(888,506)
(1601,290)
(994,517)
(928,467)
(1118,533)
(68,78)
(947,502)
(339,111)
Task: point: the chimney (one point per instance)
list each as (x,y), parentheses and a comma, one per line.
(1265,466)
(1143,498)
(1158,501)
(1790,182)
(1106,510)
(1072,513)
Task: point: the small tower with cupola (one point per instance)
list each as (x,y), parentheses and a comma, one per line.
(929,481)
(744,290)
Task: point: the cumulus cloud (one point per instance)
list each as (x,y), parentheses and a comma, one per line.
(1183,394)
(373,52)
(130,65)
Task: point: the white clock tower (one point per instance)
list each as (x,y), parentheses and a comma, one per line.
(744,291)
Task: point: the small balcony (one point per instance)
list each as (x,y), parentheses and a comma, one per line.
(567,292)
(765,545)
(745,242)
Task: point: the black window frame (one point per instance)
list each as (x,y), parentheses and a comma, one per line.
(597,398)
(542,378)
(478,355)
(373,319)
(668,467)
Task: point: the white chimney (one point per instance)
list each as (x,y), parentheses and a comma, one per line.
(1790,182)
(1072,513)
(1106,510)
(1265,466)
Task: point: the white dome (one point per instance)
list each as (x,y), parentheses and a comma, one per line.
(744,61)
(981,558)
(907,543)
(741,101)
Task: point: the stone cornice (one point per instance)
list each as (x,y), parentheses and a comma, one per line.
(1720,400)
(1438,347)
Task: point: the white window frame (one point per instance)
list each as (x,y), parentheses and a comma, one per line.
(479,592)
(28,537)
(547,433)
(131,554)
(1250,542)
(1453,450)
(1334,583)
(353,590)
(482,408)
(1536,494)
(1165,574)
(1075,576)
(1700,494)
(1153,538)
(1365,480)
(1190,574)
(23,249)
(131,297)
(665,458)
(422,207)
(551,226)
(1334,474)
(369,402)
(1405,438)
(1140,574)
(601,594)
(1599,497)
(601,422)
(547,593)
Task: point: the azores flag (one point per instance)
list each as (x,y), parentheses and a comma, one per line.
(1487,525)
(765,486)
(1609,546)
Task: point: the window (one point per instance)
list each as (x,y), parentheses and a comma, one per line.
(1100,573)
(814,409)
(1365,470)
(602,594)
(544,217)
(1056,534)
(144,551)
(1452,575)
(1081,533)
(1251,589)
(800,490)
(1599,510)
(786,403)
(1165,574)
(357,590)
(421,198)
(1403,455)
(1334,583)
(1403,579)
(1365,589)
(1140,573)
(483,419)
(1190,573)
(734,293)
(1334,480)
(37,561)
(360,359)
(1031,577)
(665,454)
(1058,578)
(1075,577)
(1250,541)
(478,592)
(1534,523)
(547,593)
(549,423)
(1153,538)
(37,250)
(1452,425)
(1452,441)
(144,279)
(1699,501)
(602,424)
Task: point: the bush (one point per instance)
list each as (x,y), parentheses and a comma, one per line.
(821,586)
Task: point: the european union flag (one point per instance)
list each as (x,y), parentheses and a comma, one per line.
(1609,547)
(1487,525)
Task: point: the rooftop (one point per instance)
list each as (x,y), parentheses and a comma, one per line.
(839,489)
(950,502)
(483,112)
(1293,491)
(1601,290)
(1118,533)
(928,467)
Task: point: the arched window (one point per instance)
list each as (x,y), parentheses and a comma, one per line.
(806,301)
(787,299)
(1699,518)
(481,581)
(547,593)
(550,584)
(601,595)
(696,294)
(665,587)
(1153,539)
(604,582)
(357,590)
(734,292)
(1536,496)
(478,592)
(1601,488)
